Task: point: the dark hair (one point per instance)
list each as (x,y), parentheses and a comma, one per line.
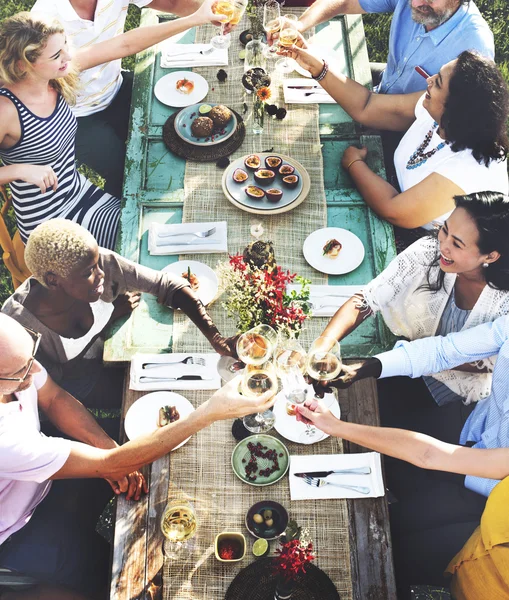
(477,108)
(490,212)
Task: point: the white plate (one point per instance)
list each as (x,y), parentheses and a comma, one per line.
(289,427)
(208,279)
(142,417)
(350,256)
(166,92)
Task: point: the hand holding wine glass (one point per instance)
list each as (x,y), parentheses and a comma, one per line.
(324,360)
(288,35)
(231,11)
(256,381)
(271,24)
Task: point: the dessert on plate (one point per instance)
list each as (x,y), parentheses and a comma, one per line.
(167,415)
(184,86)
(332,248)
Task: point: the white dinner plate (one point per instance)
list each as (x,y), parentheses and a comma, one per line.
(143,415)
(206,276)
(166,92)
(350,256)
(289,427)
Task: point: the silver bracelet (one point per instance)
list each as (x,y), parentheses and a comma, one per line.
(323,72)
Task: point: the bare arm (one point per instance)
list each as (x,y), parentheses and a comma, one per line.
(323,10)
(395,112)
(347,319)
(182,8)
(86,461)
(140,38)
(421,450)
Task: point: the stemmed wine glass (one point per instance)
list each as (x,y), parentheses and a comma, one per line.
(288,35)
(257,380)
(324,360)
(291,362)
(233,11)
(178,525)
(271,23)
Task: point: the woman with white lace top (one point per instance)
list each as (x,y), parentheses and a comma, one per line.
(443,283)
(455,141)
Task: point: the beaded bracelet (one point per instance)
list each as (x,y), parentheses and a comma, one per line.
(351,163)
(323,72)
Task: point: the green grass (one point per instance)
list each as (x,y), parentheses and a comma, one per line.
(496,12)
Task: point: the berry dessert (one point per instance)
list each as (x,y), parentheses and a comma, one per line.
(167,415)
(332,248)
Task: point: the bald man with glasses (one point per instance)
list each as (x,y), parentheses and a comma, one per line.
(47,527)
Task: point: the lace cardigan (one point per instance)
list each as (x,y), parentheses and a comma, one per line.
(412,311)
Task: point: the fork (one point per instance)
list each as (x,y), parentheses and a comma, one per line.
(321,482)
(188,360)
(198,234)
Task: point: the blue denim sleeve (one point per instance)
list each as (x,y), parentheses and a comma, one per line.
(379,6)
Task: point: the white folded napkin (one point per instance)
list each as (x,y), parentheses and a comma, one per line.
(326,299)
(311,92)
(188,55)
(300,490)
(187,244)
(172,367)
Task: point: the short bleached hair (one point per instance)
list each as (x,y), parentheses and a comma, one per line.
(57,246)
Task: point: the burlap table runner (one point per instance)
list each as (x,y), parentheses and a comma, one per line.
(201,470)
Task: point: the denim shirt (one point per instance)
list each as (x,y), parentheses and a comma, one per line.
(410,45)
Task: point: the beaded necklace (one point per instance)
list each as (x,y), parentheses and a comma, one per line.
(419,157)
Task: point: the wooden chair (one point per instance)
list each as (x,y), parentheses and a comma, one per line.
(13,248)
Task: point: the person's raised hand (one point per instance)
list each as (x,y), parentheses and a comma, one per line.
(353,153)
(370,367)
(225,346)
(229,403)
(125,304)
(304,56)
(42,176)
(316,413)
(206,13)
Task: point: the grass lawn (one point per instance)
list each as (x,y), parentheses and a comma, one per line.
(496,13)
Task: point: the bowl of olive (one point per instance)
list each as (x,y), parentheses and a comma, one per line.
(266,519)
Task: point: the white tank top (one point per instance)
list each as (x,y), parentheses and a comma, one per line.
(102,312)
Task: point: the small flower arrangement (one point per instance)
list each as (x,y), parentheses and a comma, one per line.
(256,293)
(294,553)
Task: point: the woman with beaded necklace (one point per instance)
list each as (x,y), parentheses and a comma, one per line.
(455,141)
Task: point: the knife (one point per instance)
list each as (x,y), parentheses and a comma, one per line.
(304,87)
(145,378)
(353,471)
(164,242)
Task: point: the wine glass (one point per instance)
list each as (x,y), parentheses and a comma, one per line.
(287,37)
(233,11)
(258,379)
(324,361)
(256,345)
(178,525)
(271,23)
(291,362)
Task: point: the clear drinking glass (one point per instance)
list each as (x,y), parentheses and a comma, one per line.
(233,10)
(178,525)
(287,37)
(324,360)
(258,379)
(256,345)
(271,23)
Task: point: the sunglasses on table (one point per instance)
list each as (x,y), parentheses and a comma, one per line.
(37,340)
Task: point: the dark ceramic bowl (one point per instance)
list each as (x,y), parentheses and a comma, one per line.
(261,530)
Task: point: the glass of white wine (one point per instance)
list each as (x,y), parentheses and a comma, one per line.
(257,380)
(324,360)
(271,23)
(233,11)
(256,346)
(288,35)
(178,525)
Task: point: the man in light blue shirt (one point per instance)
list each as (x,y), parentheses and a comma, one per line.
(487,428)
(424,33)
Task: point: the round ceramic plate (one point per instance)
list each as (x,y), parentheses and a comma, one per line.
(261,530)
(241,456)
(185,118)
(142,416)
(349,258)
(166,92)
(292,197)
(206,276)
(289,427)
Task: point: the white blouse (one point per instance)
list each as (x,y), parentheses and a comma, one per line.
(102,312)
(459,167)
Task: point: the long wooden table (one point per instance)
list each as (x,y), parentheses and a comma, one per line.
(149,193)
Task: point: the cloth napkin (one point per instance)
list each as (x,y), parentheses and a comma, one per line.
(328,298)
(300,490)
(187,244)
(171,367)
(299,96)
(188,55)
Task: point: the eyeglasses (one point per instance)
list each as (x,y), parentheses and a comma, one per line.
(37,340)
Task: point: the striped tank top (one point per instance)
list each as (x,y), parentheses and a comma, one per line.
(51,141)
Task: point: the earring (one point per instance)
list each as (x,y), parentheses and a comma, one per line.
(485,265)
